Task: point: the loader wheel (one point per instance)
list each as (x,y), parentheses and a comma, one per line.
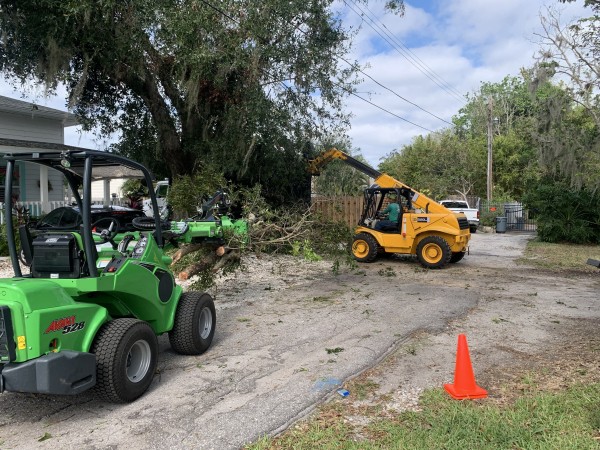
(365,247)
(126,355)
(434,252)
(195,323)
(457,256)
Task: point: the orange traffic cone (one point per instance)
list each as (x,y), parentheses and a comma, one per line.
(464,386)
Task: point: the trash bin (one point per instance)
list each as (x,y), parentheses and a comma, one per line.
(500,224)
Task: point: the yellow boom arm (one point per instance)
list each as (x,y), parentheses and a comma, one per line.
(383,180)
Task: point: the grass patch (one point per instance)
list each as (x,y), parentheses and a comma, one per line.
(322,299)
(387,272)
(361,389)
(560,257)
(334,351)
(565,420)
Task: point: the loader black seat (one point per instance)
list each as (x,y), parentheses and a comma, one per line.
(56,256)
(395,227)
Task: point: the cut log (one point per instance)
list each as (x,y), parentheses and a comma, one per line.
(212,262)
(186,250)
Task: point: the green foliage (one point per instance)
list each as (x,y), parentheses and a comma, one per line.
(539,129)
(565,214)
(187,192)
(331,239)
(291,229)
(242,86)
(4,237)
(305,250)
(510,106)
(440,164)
(568,116)
(566,133)
(3,241)
(134,192)
(488,218)
(339,179)
(133,186)
(515,164)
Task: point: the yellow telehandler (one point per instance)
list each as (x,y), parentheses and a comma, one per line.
(424,228)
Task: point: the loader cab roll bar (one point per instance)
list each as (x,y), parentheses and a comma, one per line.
(80,167)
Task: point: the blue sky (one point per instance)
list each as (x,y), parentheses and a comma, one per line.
(463,42)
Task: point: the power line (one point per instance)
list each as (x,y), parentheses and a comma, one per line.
(385,87)
(420,66)
(389,112)
(398,95)
(429,69)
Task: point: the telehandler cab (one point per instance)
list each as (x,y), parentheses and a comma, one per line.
(89,312)
(424,228)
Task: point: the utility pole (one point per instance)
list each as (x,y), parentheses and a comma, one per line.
(489,148)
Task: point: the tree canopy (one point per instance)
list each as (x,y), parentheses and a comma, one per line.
(244,86)
(454,161)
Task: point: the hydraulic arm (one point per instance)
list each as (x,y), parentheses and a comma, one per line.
(419,201)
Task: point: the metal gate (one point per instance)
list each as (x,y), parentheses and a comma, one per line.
(518,218)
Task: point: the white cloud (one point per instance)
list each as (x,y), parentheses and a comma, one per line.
(465,43)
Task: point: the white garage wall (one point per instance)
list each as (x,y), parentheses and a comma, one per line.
(31,128)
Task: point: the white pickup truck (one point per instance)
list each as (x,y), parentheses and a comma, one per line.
(161,189)
(463,207)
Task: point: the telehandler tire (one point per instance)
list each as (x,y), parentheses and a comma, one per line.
(126,356)
(457,256)
(365,247)
(434,252)
(195,323)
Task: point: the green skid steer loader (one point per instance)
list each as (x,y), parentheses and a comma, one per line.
(88,313)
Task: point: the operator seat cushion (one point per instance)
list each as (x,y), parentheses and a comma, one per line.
(395,227)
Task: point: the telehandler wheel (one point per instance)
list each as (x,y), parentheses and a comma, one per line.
(365,247)
(434,252)
(126,356)
(457,256)
(195,323)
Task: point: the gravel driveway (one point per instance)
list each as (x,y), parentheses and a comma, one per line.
(289,333)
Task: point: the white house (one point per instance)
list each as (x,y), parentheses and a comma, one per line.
(25,121)
(29,123)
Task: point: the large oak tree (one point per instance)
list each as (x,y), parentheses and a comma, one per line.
(241,85)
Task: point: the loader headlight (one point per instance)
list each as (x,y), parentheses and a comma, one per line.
(7,340)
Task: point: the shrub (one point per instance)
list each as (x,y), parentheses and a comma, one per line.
(4,239)
(565,214)
(188,192)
